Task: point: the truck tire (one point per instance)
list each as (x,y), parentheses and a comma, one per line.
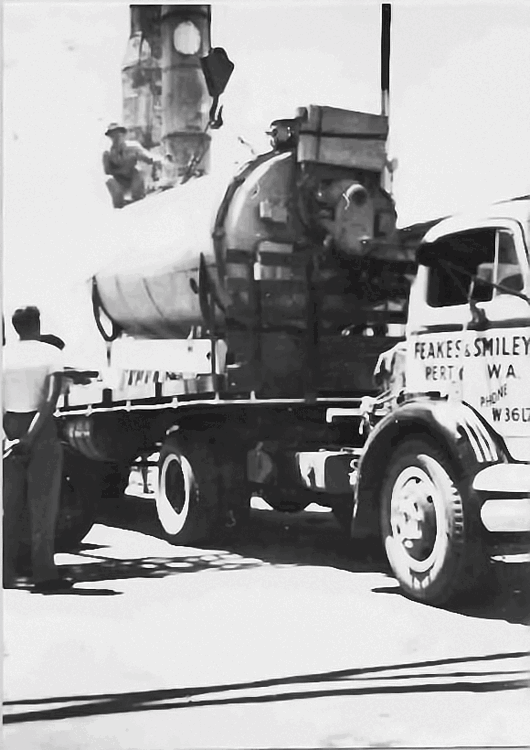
(79,501)
(429,527)
(343,513)
(188,490)
(115,481)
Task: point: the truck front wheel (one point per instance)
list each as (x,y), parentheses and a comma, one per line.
(428,526)
(187,496)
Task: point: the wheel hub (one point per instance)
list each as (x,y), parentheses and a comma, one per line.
(175,487)
(413,515)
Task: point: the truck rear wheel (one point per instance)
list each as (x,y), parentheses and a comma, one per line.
(187,496)
(429,531)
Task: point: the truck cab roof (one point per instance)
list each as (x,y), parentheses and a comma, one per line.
(515,209)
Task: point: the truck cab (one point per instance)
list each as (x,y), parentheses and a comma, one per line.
(456,442)
(469,324)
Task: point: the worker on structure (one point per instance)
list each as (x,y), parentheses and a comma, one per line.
(120,163)
(33,456)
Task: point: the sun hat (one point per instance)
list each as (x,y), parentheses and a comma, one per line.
(113,127)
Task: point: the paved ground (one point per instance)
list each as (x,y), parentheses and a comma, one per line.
(282,639)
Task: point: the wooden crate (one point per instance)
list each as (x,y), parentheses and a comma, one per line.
(343,138)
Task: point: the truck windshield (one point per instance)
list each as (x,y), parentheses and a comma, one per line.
(475,265)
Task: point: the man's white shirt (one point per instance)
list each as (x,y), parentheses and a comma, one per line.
(26,367)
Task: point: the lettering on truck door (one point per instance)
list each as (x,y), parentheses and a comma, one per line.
(487,365)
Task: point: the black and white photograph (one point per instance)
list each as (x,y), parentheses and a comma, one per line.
(266,374)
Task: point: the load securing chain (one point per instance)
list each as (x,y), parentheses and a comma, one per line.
(196,158)
(215,121)
(215,86)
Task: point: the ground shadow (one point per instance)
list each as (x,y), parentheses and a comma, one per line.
(413,677)
(507,599)
(306,538)
(80,592)
(86,546)
(103,568)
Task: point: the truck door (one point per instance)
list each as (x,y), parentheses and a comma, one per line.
(474,337)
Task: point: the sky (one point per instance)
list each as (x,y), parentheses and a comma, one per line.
(459,115)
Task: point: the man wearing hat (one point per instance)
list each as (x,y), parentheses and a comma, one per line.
(32,466)
(120,163)
(33,378)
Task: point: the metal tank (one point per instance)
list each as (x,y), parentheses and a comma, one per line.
(199,248)
(150,289)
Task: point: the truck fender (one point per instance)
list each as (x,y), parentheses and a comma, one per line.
(455,426)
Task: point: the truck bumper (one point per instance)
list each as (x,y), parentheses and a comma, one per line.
(507,504)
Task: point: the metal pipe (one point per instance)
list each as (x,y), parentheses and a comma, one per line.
(385,58)
(185,31)
(141,78)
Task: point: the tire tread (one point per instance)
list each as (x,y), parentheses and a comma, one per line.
(469,567)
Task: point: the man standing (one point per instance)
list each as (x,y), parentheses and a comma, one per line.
(120,163)
(32,470)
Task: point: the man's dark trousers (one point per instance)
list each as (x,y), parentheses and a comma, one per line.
(31,487)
